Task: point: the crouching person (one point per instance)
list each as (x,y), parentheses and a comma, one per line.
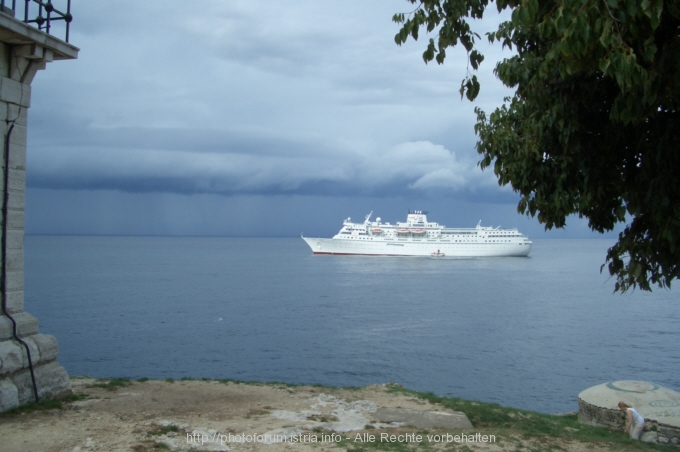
(634,422)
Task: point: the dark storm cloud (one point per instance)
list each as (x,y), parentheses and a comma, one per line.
(220,162)
(194,140)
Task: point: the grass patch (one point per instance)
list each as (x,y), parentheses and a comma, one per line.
(44,405)
(281,383)
(159,430)
(151,446)
(322,418)
(111,384)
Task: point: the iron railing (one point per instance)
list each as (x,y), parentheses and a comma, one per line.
(46,17)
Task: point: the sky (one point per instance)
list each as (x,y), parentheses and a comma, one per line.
(258,118)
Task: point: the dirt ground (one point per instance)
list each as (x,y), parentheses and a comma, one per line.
(215,416)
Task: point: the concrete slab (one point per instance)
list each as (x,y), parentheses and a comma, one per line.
(423,419)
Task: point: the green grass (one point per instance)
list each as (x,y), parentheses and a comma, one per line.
(111,384)
(163,429)
(44,405)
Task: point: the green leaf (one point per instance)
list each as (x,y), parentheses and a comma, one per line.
(604,65)
(414,33)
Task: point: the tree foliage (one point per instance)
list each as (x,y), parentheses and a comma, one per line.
(593,128)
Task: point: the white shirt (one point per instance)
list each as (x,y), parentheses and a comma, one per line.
(637,419)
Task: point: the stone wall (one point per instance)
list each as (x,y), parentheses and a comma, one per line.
(600,417)
(23,52)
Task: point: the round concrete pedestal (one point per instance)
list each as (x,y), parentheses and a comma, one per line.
(658,405)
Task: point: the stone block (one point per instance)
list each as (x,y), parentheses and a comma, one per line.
(24,383)
(18,138)
(35,352)
(17,159)
(669,432)
(31,51)
(9,395)
(15,281)
(17,201)
(15,92)
(15,301)
(51,380)
(54,382)
(11,357)
(47,344)
(15,257)
(5,328)
(15,239)
(16,219)
(649,437)
(17,180)
(14,113)
(26,325)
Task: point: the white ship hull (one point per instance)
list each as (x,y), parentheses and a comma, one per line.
(416,248)
(418,237)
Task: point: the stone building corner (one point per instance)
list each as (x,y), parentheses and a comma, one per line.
(24,50)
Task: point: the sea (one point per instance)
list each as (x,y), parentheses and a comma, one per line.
(529,333)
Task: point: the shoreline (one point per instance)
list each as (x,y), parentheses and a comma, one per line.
(124,415)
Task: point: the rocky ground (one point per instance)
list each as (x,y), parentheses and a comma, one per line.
(213,416)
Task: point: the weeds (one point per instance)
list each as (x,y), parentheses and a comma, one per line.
(112,384)
(160,430)
(44,405)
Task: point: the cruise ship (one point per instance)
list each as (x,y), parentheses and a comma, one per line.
(419,237)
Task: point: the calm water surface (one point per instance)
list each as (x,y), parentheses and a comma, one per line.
(525,332)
